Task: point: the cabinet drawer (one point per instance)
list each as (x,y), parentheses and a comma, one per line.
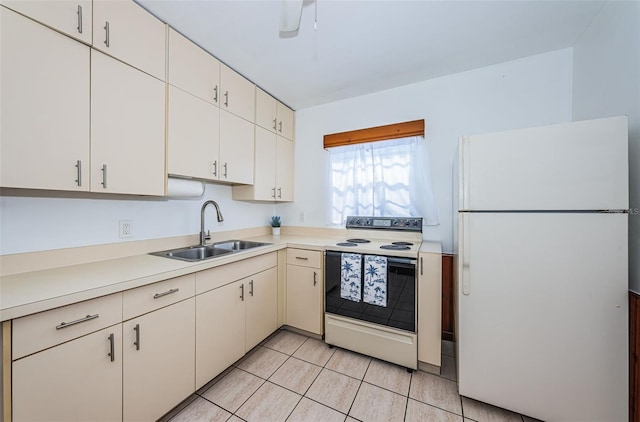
(304,257)
(225,274)
(157,295)
(46,329)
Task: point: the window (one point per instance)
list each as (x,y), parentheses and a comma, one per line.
(386,178)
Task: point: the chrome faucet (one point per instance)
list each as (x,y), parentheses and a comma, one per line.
(220,218)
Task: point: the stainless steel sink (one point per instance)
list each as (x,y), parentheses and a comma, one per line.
(238,245)
(201,253)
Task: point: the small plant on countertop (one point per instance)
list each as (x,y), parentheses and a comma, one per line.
(275,221)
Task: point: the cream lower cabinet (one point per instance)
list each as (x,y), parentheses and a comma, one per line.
(430,308)
(74,381)
(305,292)
(233,316)
(44,135)
(127,129)
(273,169)
(158,361)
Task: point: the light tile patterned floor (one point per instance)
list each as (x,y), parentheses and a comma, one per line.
(293,378)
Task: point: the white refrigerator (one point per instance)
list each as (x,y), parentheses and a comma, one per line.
(541,273)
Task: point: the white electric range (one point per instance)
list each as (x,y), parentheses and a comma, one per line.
(383,326)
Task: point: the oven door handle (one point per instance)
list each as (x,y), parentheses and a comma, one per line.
(408,261)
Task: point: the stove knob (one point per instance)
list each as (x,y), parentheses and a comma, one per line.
(358,221)
(415,223)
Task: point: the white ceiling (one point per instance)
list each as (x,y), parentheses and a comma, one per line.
(365,46)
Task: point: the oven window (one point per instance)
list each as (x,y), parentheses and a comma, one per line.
(401,296)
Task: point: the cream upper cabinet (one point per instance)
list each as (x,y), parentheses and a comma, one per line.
(285,121)
(304,309)
(273,115)
(193,136)
(284,169)
(192,69)
(261,314)
(236,149)
(238,95)
(71,17)
(127,129)
(126,31)
(218,344)
(158,361)
(273,180)
(44,100)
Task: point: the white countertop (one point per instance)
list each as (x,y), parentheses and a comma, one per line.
(36,291)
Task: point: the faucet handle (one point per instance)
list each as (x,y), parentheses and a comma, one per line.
(208,235)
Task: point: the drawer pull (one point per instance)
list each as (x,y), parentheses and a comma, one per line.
(304,258)
(112,353)
(168,292)
(77,321)
(137,342)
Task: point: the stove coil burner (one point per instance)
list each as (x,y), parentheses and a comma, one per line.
(396,247)
(402,243)
(358,240)
(346,244)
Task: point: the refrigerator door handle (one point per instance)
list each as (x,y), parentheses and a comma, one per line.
(466,274)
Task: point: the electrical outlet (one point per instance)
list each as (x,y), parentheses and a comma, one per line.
(126,229)
(302,216)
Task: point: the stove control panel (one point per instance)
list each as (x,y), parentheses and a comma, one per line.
(413,224)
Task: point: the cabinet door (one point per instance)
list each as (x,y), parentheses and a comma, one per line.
(261,317)
(219,330)
(236,149)
(266,113)
(284,170)
(126,31)
(285,121)
(265,166)
(158,361)
(127,129)
(193,136)
(430,309)
(304,298)
(71,17)
(75,381)
(238,94)
(44,135)
(193,69)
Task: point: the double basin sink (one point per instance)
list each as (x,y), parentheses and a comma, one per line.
(201,253)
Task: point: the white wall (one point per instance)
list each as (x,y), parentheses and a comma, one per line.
(30,224)
(527,92)
(606,82)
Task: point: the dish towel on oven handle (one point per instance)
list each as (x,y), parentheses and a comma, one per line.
(351,277)
(375,280)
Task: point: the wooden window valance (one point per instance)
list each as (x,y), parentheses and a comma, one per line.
(373,134)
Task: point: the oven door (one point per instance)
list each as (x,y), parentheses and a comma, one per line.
(400,311)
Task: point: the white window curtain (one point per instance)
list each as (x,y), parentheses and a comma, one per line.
(387,178)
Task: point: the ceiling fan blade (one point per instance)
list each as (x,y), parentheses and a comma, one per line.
(290,14)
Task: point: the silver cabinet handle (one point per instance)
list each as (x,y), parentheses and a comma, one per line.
(112,349)
(274,192)
(251,287)
(215,168)
(225,170)
(315,278)
(274,123)
(104,176)
(279,192)
(77,321)
(106,33)
(79,19)
(242,292)
(79,169)
(226,98)
(137,342)
(421,266)
(304,258)
(168,292)
(280,126)
(215,94)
